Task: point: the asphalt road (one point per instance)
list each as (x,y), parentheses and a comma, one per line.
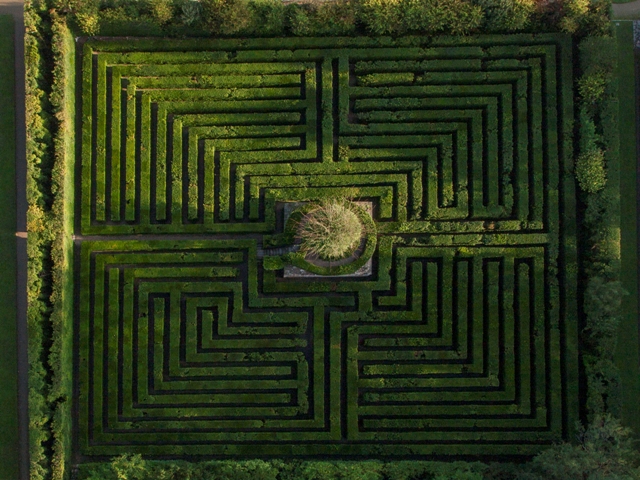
(15,8)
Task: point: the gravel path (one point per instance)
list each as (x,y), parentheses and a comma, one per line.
(629,10)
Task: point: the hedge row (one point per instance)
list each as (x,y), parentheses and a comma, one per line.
(597,170)
(50,156)
(604,448)
(264,18)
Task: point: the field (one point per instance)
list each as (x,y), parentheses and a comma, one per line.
(8,354)
(462,340)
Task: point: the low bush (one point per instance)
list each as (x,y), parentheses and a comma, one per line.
(604,450)
(591,87)
(428,17)
(598,157)
(241,17)
(334,17)
(323,18)
(191,12)
(590,171)
(382,17)
(507,15)
(432,17)
(161,10)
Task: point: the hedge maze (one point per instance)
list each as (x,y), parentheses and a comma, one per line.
(463,339)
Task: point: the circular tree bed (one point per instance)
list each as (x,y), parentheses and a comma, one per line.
(335,236)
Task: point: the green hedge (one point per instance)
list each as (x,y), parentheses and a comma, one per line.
(50,70)
(50,98)
(601,237)
(603,448)
(263,18)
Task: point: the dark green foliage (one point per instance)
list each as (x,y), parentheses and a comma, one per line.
(333,18)
(191,12)
(227,17)
(591,87)
(248,126)
(9,453)
(507,15)
(585,17)
(599,152)
(590,171)
(243,17)
(122,19)
(602,301)
(429,17)
(161,10)
(432,17)
(389,102)
(605,450)
(49,114)
(382,17)
(138,469)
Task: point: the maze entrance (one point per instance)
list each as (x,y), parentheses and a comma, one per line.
(462,340)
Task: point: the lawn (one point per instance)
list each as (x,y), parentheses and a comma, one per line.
(627,353)
(460,340)
(8,353)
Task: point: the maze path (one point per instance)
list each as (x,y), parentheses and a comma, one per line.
(463,339)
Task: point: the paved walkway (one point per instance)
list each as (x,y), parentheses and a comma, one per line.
(15,8)
(629,10)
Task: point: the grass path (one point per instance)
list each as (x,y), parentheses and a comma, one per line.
(627,352)
(9,453)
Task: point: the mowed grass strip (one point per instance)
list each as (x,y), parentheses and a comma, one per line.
(627,350)
(8,355)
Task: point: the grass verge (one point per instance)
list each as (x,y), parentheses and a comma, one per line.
(8,353)
(627,349)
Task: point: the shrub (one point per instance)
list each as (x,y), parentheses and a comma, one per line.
(125,19)
(590,171)
(573,13)
(226,17)
(605,450)
(191,12)
(330,231)
(129,467)
(332,18)
(161,10)
(602,300)
(85,14)
(269,17)
(592,86)
(421,16)
(435,16)
(87,22)
(507,15)
(382,16)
